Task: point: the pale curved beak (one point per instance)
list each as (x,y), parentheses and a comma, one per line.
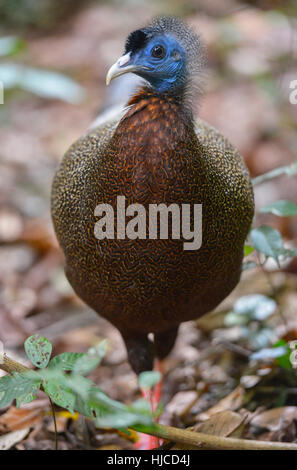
(119,68)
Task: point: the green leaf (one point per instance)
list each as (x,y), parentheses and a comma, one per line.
(283,360)
(103,402)
(235,319)
(85,408)
(43,83)
(269,353)
(269,241)
(85,364)
(10,45)
(65,361)
(291,253)
(141,406)
(28,397)
(289,170)
(68,390)
(260,339)
(81,387)
(255,306)
(281,208)
(114,414)
(280,352)
(248,249)
(123,419)
(57,389)
(149,379)
(248,265)
(18,386)
(38,350)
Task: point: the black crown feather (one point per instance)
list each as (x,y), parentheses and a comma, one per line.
(135,41)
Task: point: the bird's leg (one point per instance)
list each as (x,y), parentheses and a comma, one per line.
(163,343)
(141,357)
(153,396)
(157,390)
(140,353)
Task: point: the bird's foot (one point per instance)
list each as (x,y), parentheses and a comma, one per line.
(146,442)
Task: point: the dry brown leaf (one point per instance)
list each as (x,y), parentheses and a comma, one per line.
(19,418)
(61,423)
(212,320)
(11,226)
(181,403)
(275,419)
(38,234)
(9,440)
(224,424)
(231,402)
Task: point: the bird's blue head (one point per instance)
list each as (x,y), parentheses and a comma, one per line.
(166,54)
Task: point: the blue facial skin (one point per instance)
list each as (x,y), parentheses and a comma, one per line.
(164,73)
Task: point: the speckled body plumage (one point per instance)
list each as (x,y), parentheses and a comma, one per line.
(154,154)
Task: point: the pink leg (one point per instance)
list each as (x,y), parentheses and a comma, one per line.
(157,392)
(147,442)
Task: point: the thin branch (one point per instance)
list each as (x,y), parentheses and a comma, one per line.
(289,170)
(9,365)
(211,442)
(55,423)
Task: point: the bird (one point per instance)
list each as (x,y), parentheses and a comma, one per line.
(154,152)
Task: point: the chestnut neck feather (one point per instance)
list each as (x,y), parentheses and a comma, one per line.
(156,121)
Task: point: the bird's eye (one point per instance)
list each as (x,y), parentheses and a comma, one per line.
(158,51)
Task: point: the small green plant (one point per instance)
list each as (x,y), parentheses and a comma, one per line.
(63,379)
(265,240)
(251,312)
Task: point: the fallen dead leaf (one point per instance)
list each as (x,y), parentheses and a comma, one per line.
(276,418)
(61,423)
(231,402)
(11,226)
(224,424)
(9,440)
(181,403)
(19,418)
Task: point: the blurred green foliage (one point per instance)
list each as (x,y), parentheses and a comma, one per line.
(41,82)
